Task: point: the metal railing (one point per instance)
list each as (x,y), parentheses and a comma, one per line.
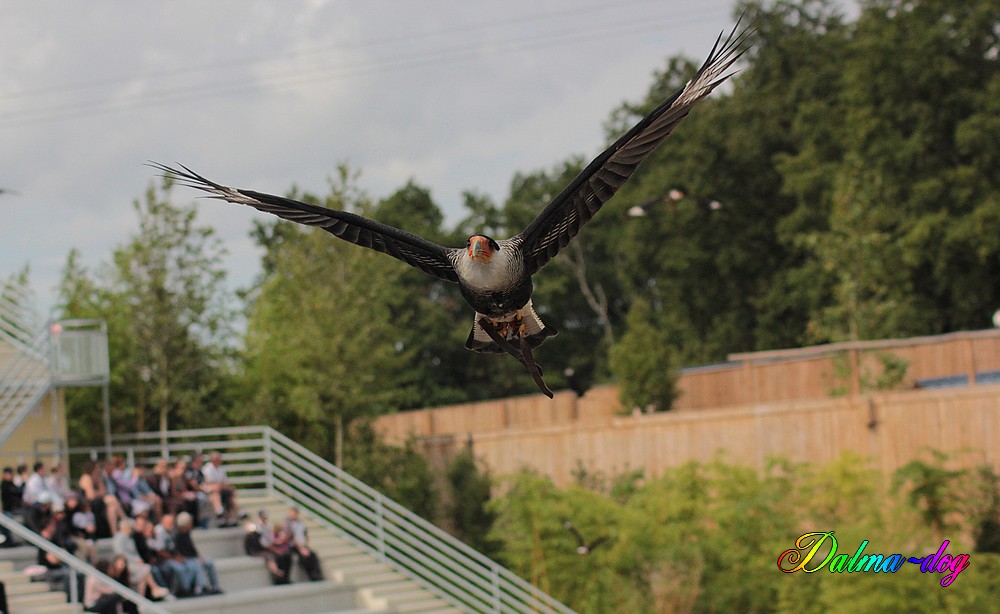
(260,460)
(26,378)
(77,566)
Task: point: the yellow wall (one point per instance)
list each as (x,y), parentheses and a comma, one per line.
(37,425)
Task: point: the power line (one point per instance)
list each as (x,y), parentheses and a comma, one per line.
(326,49)
(433,57)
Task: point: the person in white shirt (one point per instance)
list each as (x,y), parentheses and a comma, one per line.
(221,493)
(35,485)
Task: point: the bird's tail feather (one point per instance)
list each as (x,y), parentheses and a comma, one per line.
(536,331)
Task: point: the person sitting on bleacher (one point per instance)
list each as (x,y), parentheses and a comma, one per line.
(182,498)
(221,493)
(141,575)
(81,526)
(36,485)
(98,596)
(57,483)
(52,569)
(143,494)
(272,546)
(208,579)
(39,513)
(300,545)
(107,509)
(184,573)
(11,494)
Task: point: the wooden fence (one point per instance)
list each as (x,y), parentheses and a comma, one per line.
(804,404)
(890,428)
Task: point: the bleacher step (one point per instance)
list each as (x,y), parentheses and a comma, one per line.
(60,608)
(23,601)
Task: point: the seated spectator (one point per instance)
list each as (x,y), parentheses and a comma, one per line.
(182,498)
(300,545)
(221,493)
(166,571)
(119,571)
(121,483)
(140,573)
(40,512)
(262,542)
(97,595)
(143,492)
(107,509)
(195,480)
(185,571)
(81,526)
(57,483)
(159,482)
(64,529)
(208,579)
(11,494)
(54,571)
(35,485)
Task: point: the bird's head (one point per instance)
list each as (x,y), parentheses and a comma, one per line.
(481,247)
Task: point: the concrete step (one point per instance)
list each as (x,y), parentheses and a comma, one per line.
(20,603)
(6,565)
(20,557)
(418,605)
(55,608)
(305,598)
(13,577)
(27,588)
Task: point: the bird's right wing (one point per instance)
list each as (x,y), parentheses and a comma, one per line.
(563,218)
(425,255)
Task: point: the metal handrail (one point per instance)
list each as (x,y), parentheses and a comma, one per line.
(80,566)
(459,551)
(445,566)
(24,381)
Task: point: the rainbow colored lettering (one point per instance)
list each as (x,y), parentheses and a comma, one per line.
(808,544)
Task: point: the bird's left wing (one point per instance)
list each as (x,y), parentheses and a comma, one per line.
(563,218)
(425,255)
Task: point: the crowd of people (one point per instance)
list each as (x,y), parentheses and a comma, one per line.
(149,517)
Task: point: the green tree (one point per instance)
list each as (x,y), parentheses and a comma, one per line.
(643,361)
(169,323)
(469,496)
(322,346)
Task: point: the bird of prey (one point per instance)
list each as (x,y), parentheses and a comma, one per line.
(583,548)
(494,276)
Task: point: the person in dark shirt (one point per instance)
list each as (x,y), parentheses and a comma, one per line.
(208,578)
(39,513)
(11,493)
(56,573)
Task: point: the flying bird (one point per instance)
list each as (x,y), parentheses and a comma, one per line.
(582,547)
(494,276)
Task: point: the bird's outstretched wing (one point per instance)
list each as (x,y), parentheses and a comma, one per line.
(425,255)
(562,219)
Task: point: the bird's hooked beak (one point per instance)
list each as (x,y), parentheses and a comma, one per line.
(480,248)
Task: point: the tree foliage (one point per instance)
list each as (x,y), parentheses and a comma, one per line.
(168,318)
(704,537)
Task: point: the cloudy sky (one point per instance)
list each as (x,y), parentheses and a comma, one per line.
(264,95)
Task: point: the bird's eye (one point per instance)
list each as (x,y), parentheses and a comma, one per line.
(494,245)
(468,243)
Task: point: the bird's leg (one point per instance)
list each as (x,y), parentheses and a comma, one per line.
(533,369)
(529,360)
(493,330)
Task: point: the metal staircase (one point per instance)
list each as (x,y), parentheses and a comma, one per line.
(25,377)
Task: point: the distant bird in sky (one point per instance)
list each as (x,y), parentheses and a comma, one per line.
(494,276)
(6,191)
(583,548)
